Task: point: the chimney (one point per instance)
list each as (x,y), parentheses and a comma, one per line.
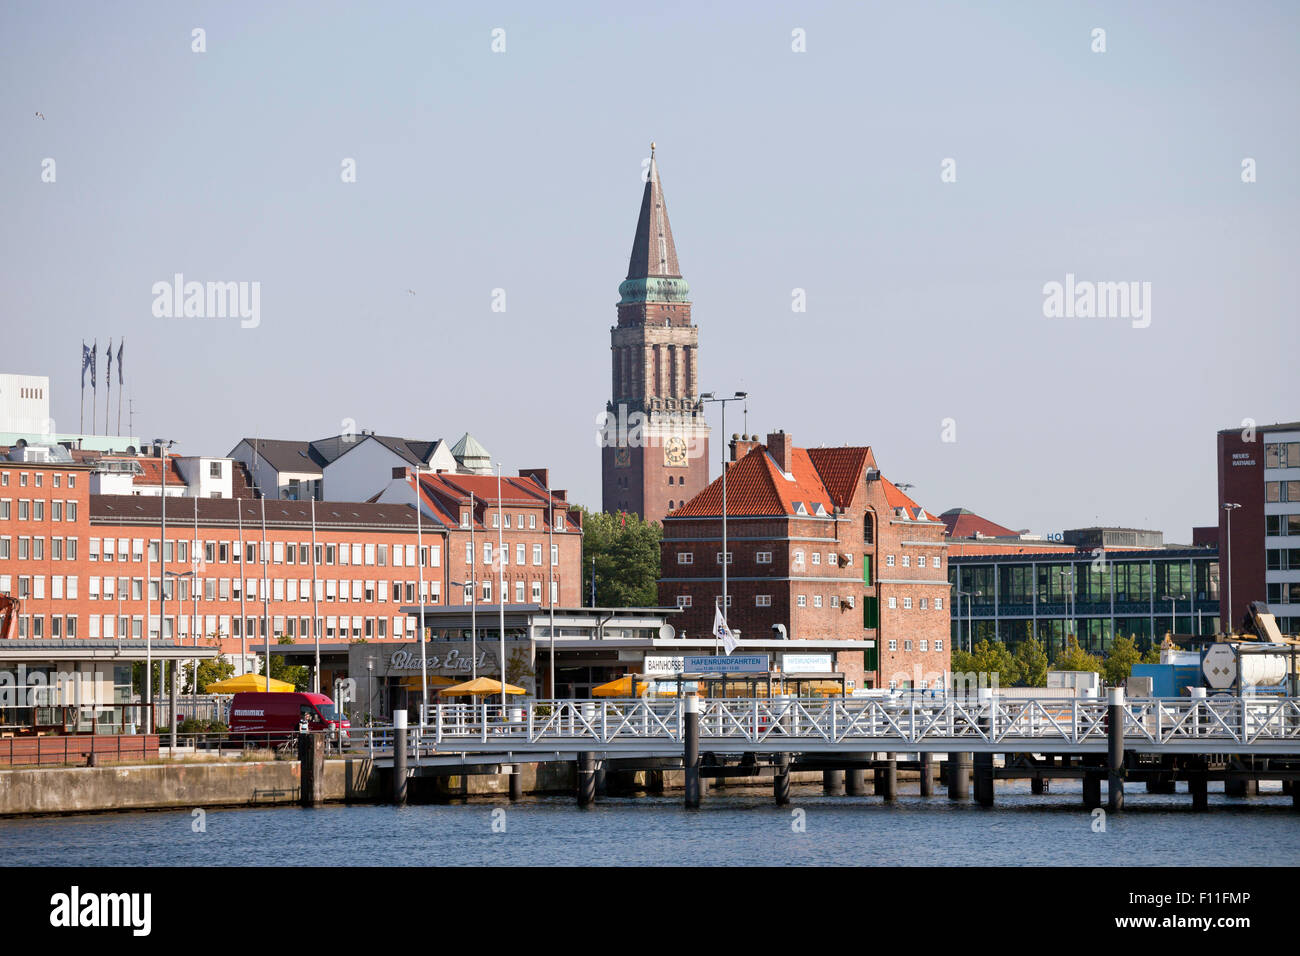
(781,447)
(742,445)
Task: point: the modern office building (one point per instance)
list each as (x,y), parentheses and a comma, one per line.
(1094,594)
(1259,521)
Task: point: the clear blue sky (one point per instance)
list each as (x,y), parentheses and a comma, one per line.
(817,170)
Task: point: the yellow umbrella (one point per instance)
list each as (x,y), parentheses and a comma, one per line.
(248,682)
(479,687)
(622,687)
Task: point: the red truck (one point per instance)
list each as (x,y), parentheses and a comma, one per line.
(274,717)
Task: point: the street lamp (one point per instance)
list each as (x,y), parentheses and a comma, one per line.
(1230,507)
(1069,599)
(710,397)
(188,574)
(970,627)
(1173,613)
(165,445)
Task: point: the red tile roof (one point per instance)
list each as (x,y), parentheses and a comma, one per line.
(443,493)
(966,524)
(757,486)
(897,499)
(152,468)
(841,470)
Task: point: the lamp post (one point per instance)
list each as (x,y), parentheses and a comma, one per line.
(1173,612)
(1230,507)
(164,446)
(550,581)
(970,628)
(711,398)
(501,585)
(419,564)
(473,595)
(1069,601)
(178,575)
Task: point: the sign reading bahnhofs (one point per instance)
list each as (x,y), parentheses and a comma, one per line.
(734,664)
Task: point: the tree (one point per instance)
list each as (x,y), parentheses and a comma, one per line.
(988,657)
(626,553)
(518,669)
(297,675)
(1075,658)
(209,673)
(1119,662)
(1031,660)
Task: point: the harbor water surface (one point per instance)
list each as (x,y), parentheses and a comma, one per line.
(733,827)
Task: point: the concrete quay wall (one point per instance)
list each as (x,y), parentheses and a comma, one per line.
(177,785)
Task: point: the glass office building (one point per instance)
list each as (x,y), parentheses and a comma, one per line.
(1095,595)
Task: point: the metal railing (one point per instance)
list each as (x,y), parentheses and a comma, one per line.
(1222,722)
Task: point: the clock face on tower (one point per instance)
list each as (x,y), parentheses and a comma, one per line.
(622,458)
(675,452)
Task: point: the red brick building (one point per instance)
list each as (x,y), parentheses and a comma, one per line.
(88,566)
(655,440)
(821,544)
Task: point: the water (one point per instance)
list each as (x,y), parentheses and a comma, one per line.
(736,827)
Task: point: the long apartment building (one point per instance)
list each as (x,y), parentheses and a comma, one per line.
(234,570)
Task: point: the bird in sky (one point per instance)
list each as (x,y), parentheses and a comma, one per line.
(40,116)
(410,292)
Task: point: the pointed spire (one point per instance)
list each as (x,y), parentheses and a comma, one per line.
(653,252)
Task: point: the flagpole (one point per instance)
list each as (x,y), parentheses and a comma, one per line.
(108,384)
(120,345)
(81,428)
(501,595)
(473,594)
(94,387)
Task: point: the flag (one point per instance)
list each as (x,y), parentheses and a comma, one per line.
(85,363)
(108,379)
(120,345)
(94,360)
(722,632)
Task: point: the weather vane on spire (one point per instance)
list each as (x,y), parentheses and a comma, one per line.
(652,147)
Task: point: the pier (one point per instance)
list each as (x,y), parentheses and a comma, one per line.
(1155,742)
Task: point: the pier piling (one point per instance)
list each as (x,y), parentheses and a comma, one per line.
(311,769)
(833,782)
(889,777)
(983,772)
(1091,791)
(855,782)
(691,754)
(959,770)
(399,758)
(781,780)
(927,774)
(1198,787)
(1115,750)
(586,779)
(516,782)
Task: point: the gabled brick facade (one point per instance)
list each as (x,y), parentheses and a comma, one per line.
(820,544)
